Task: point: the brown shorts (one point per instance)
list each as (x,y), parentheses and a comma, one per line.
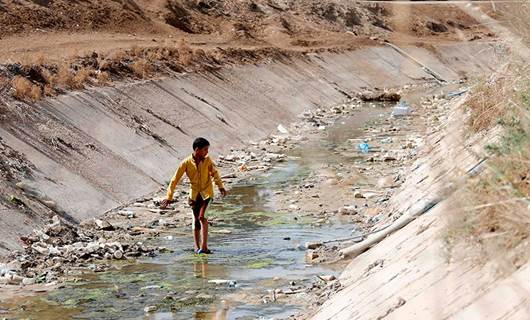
(196,207)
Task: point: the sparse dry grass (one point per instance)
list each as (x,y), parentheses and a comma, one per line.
(137,51)
(48,90)
(23,89)
(79,78)
(63,75)
(103,78)
(48,76)
(35,93)
(185,52)
(30,58)
(514,16)
(140,68)
(117,55)
(493,219)
(486,103)
(492,223)
(137,62)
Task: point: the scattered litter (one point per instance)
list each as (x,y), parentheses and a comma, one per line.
(348,210)
(328,278)
(219,281)
(127,213)
(69,245)
(457,93)
(222,231)
(282,129)
(313,245)
(358,195)
(150,309)
(401,109)
(363,147)
(103,225)
(151,287)
(294,207)
(379,96)
(311,255)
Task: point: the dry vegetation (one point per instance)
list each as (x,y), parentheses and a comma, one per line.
(486,103)
(495,220)
(34,80)
(23,89)
(513,16)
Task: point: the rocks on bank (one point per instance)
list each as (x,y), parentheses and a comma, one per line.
(62,247)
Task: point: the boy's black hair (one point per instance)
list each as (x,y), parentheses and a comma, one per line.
(200,143)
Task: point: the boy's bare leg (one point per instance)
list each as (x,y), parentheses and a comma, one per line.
(196,224)
(204,228)
(196,238)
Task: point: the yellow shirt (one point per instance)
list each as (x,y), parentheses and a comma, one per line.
(200,178)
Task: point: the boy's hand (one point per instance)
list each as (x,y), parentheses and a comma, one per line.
(164,204)
(223,192)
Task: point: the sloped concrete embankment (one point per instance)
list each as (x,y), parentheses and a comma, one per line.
(94,150)
(410,274)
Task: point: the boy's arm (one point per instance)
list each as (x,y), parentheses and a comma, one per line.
(217,178)
(171,188)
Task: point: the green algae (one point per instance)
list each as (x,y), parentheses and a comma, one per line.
(260,264)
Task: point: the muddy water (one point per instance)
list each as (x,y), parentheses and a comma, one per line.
(265,250)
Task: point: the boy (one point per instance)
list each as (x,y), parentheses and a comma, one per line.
(200,169)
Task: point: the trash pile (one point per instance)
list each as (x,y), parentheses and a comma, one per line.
(385,95)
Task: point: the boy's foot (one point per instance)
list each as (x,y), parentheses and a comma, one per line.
(205,251)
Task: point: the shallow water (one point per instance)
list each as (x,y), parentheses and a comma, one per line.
(264,244)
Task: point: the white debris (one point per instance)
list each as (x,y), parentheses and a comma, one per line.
(282,129)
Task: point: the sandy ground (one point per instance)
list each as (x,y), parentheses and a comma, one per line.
(302,25)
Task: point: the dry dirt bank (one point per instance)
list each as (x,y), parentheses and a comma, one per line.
(49,47)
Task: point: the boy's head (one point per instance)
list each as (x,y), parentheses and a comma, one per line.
(200,147)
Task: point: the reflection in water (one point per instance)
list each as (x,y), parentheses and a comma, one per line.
(200,269)
(202,315)
(220,314)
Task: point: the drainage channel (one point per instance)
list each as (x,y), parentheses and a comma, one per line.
(264,250)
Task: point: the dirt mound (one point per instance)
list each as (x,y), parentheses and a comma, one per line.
(28,15)
(190,16)
(228,18)
(442,21)
(256,19)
